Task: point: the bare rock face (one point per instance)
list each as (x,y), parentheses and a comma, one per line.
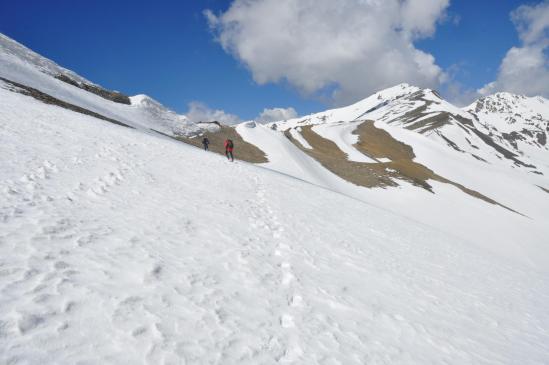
(115,96)
(514,118)
(48,99)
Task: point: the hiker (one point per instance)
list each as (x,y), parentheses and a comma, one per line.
(205,143)
(229,149)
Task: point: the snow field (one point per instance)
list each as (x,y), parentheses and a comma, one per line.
(120,247)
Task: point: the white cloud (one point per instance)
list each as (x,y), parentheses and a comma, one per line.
(532,23)
(200,112)
(525,69)
(276,114)
(349,48)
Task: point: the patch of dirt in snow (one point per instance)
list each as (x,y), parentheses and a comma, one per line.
(334,159)
(114,96)
(242,150)
(377,144)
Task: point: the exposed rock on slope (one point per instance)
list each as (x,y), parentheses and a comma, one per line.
(393,160)
(514,120)
(47,99)
(217,134)
(115,96)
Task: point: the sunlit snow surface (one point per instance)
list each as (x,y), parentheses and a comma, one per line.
(119,247)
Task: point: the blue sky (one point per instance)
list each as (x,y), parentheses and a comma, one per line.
(166,49)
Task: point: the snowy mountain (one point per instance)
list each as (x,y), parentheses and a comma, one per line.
(421,157)
(20,65)
(483,131)
(400,229)
(519,123)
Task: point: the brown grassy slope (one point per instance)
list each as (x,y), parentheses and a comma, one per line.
(242,150)
(376,143)
(364,174)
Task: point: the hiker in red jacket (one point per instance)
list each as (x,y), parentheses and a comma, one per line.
(229,149)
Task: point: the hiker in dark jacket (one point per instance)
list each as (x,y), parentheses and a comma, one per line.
(229,146)
(205,143)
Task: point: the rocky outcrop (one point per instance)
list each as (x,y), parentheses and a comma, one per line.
(114,96)
(48,99)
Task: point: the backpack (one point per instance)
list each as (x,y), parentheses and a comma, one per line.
(229,143)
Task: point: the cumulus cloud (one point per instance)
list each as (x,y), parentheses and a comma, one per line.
(200,112)
(525,69)
(345,48)
(276,114)
(532,23)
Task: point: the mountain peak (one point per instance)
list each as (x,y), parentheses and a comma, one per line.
(143,100)
(397,90)
(508,103)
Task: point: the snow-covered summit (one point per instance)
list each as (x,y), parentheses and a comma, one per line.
(352,112)
(397,91)
(142,99)
(512,105)
(519,122)
(166,119)
(510,112)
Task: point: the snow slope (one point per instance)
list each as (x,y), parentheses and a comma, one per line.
(121,247)
(492,228)
(286,158)
(447,140)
